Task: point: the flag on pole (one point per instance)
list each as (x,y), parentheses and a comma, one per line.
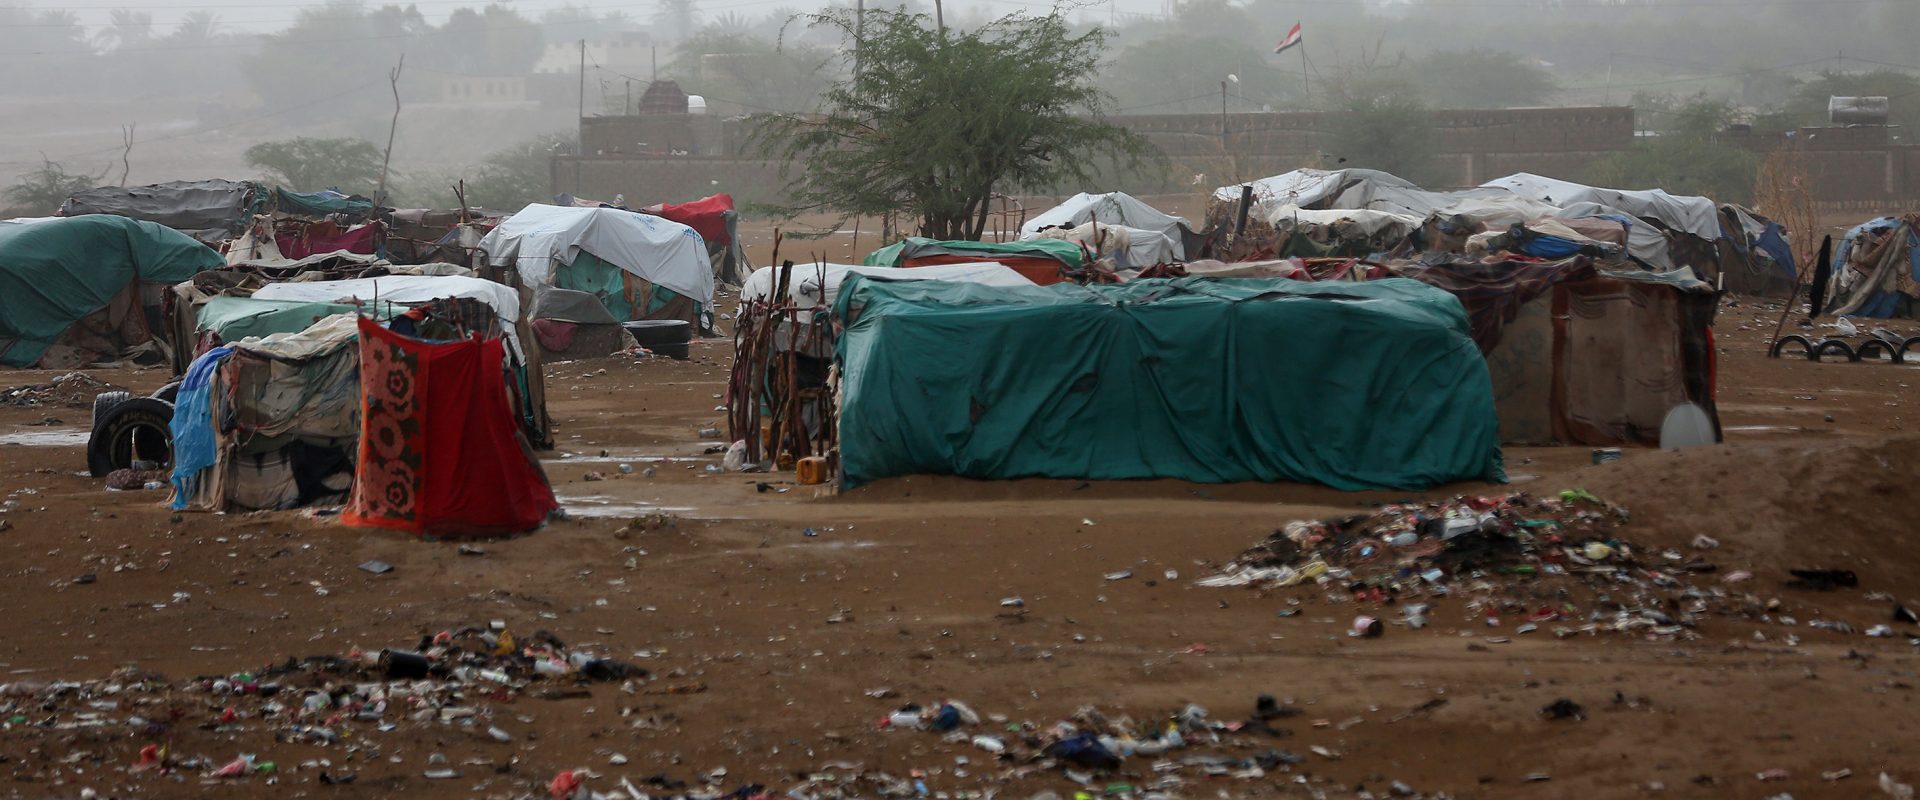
(1292,38)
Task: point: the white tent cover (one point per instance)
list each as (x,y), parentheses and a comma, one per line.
(405,290)
(1111,208)
(659,251)
(1695,215)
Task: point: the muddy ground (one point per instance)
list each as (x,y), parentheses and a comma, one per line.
(765,643)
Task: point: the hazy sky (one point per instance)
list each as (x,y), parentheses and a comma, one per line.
(262,16)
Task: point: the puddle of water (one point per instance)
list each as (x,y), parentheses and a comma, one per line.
(1763,429)
(599,506)
(52,437)
(623,458)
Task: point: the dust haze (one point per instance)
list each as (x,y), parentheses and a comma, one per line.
(142,92)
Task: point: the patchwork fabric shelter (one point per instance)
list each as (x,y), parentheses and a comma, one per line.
(1355,386)
(640,266)
(211,211)
(77,290)
(440,454)
(1110,208)
(1876,269)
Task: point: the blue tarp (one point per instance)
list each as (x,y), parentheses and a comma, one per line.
(1878,303)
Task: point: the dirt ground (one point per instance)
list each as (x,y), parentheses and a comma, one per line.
(766,643)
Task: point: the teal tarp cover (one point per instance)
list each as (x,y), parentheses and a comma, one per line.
(896,254)
(320,204)
(54,272)
(1352,385)
(236,318)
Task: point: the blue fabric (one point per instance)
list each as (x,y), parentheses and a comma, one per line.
(192,425)
(1553,247)
(1773,242)
(1879,304)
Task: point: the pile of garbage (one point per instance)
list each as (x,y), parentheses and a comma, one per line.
(1117,756)
(454,678)
(72,390)
(1556,561)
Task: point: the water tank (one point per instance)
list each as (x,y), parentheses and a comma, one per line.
(696,104)
(1857,110)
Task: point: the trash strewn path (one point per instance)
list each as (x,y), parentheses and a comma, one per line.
(753,654)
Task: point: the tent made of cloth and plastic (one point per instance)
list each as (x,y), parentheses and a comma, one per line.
(1581,355)
(1685,213)
(211,211)
(1876,269)
(570,325)
(323,203)
(439,453)
(1355,386)
(77,290)
(1043,261)
(1110,208)
(641,266)
(1122,247)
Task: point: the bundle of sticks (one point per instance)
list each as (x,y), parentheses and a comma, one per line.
(766,388)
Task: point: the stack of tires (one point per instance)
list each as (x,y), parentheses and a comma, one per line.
(666,337)
(131,431)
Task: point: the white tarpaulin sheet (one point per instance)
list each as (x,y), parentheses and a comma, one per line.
(1131,248)
(1644,241)
(1363,222)
(1112,208)
(1695,215)
(659,251)
(405,290)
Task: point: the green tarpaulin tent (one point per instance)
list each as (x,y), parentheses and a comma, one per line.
(56,272)
(1355,386)
(237,318)
(896,254)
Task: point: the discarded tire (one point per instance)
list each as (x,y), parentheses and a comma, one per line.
(1806,346)
(104,401)
(1871,349)
(651,332)
(677,352)
(1833,347)
(169,392)
(1909,346)
(129,431)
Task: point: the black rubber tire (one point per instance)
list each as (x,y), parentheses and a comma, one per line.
(650,332)
(1793,338)
(1870,349)
(1834,346)
(677,352)
(135,429)
(104,401)
(169,392)
(1909,346)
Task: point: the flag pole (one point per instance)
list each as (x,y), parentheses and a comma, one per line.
(1306,82)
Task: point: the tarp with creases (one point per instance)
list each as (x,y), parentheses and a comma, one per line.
(53,273)
(1687,213)
(236,318)
(1876,264)
(905,251)
(542,238)
(440,452)
(1355,386)
(320,203)
(1110,208)
(707,216)
(403,290)
(1128,248)
(208,210)
(325,237)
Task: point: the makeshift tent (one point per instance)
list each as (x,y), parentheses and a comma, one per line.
(718,225)
(1042,261)
(418,290)
(1580,355)
(1111,208)
(78,290)
(1118,248)
(1356,386)
(211,211)
(1876,269)
(1313,233)
(439,454)
(270,422)
(323,203)
(1685,213)
(1755,257)
(569,325)
(641,266)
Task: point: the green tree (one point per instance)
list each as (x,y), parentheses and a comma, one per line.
(511,178)
(43,190)
(1479,79)
(1380,123)
(1685,157)
(308,164)
(932,125)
